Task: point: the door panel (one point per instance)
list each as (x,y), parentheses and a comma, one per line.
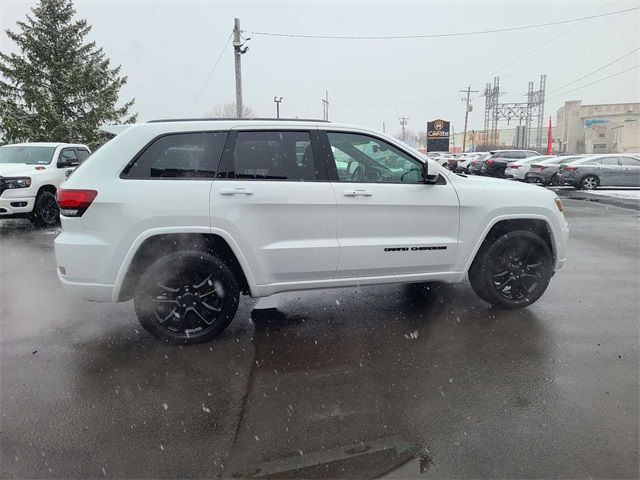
(389,221)
(396,229)
(609,172)
(630,171)
(286,228)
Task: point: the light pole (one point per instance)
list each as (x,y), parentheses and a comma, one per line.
(277,100)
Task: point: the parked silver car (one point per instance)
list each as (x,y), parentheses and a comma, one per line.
(547,172)
(613,170)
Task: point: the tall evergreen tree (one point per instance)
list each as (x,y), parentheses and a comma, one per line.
(58,88)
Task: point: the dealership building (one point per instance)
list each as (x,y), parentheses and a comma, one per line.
(604,128)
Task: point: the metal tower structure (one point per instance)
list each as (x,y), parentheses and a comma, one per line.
(529,112)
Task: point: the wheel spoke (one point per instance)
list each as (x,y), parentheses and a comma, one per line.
(168,289)
(505,283)
(212,308)
(172,313)
(201,317)
(205,281)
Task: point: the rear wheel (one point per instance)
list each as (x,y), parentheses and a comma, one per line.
(45,210)
(512,272)
(589,182)
(555,180)
(186,297)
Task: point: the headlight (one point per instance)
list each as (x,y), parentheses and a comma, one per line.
(16,182)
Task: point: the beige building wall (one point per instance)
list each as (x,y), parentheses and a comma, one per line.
(572,134)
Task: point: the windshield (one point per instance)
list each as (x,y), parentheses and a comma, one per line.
(31,155)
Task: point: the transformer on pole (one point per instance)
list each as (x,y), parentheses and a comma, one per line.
(527,112)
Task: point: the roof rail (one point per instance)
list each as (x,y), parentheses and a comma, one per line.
(236,119)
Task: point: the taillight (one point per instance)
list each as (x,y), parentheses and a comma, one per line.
(513,165)
(568,168)
(489,162)
(473,163)
(73,203)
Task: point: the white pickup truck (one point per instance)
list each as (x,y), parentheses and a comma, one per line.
(183,216)
(30,174)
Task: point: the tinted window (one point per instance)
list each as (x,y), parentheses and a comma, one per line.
(628,161)
(82,154)
(360,158)
(609,161)
(269,155)
(183,155)
(68,157)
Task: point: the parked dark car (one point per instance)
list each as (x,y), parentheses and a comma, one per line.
(613,170)
(547,171)
(495,165)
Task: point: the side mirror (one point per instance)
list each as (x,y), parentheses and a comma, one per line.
(68,162)
(426,178)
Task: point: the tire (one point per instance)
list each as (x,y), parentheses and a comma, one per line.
(170,303)
(513,271)
(589,182)
(45,210)
(555,180)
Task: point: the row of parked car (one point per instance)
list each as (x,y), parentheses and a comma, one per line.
(584,171)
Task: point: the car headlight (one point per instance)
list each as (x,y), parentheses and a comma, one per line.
(15,182)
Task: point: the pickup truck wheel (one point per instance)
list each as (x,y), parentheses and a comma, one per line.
(512,272)
(186,297)
(45,210)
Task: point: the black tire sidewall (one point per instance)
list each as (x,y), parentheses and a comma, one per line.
(36,215)
(480,273)
(223,274)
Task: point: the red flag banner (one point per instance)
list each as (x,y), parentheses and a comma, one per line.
(549,139)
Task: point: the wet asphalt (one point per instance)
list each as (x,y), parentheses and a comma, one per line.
(398,381)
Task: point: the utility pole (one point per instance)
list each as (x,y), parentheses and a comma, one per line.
(325,106)
(237,52)
(403,124)
(277,100)
(383,127)
(466,115)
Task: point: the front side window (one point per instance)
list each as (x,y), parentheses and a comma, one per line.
(630,162)
(272,155)
(182,155)
(68,158)
(609,161)
(364,159)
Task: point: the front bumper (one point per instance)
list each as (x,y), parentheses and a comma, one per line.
(19,206)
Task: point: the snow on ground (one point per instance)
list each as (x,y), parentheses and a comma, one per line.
(626,194)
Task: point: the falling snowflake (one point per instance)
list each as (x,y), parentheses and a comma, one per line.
(165,406)
(205,409)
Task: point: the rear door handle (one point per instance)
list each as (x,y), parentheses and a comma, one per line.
(357,193)
(236,191)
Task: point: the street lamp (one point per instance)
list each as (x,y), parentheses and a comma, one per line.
(277,100)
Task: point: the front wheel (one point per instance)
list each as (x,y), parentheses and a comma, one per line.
(186,297)
(45,210)
(512,272)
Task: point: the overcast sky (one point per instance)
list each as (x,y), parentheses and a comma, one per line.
(167,50)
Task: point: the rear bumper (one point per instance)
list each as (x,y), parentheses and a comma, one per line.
(94,292)
(18,207)
(536,177)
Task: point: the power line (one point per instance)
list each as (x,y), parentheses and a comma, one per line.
(595,71)
(597,81)
(211,72)
(438,35)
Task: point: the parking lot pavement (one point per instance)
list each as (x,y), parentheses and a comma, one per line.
(618,197)
(335,383)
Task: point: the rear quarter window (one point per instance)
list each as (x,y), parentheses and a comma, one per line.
(178,155)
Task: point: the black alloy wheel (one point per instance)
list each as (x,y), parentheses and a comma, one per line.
(45,210)
(186,297)
(513,271)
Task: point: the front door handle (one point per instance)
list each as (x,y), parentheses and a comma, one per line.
(236,191)
(357,193)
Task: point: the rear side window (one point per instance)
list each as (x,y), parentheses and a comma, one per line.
(272,155)
(180,155)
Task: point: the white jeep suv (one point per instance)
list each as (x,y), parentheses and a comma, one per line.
(183,216)
(30,174)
